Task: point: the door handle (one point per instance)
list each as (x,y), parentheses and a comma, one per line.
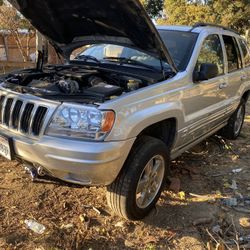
(223,85)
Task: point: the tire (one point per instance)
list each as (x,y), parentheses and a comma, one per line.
(232,130)
(124,196)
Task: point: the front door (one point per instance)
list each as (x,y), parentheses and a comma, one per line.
(202,102)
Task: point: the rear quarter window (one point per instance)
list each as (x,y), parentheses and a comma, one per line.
(245,52)
(233,53)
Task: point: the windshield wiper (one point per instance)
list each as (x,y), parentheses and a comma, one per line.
(125,60)
(87,57)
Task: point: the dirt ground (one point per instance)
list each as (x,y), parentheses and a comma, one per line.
(78,217)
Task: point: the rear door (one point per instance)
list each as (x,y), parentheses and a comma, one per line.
(246,61)
(235,74)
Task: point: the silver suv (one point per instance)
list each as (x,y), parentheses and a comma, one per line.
(129,98)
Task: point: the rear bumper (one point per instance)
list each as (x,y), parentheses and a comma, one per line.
(81,162)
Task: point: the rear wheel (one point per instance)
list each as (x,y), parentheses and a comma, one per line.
(138,187)
(232,130)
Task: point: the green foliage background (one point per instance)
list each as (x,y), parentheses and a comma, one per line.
(230,13)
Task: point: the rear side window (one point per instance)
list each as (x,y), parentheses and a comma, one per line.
(233,53)
(211,52)
(245,52)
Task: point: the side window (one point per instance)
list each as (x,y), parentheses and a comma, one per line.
(233,53)
(245,51)
(211,53)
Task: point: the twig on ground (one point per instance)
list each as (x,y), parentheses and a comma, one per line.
(225,244)
(236,234)
(225,233)
(211,236)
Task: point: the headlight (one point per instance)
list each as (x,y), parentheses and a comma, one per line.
(81,122)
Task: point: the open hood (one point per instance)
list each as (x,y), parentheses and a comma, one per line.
(69,24)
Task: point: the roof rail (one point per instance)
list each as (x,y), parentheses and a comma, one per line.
(201,24)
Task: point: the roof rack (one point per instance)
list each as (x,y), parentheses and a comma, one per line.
(201,24)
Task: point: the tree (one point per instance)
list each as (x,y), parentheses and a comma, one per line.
(153,7)
(182,12)
(234,14)
(11,21)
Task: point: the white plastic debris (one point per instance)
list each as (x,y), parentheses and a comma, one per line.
(237,170)
(234,185)
(35,226)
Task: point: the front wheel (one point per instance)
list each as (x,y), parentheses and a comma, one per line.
(137,188)
(232,130)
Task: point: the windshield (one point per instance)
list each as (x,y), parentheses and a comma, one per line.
(180,45)
(118,54)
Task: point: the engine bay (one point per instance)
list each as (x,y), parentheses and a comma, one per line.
(75,83)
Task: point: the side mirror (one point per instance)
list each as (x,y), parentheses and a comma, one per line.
(207,71)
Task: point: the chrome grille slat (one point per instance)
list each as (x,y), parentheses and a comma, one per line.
(3,108)
(16,114)
(7,110)
(2,98)
(32,116)
(21,114)
(39,120)
(11,112)
(26,117)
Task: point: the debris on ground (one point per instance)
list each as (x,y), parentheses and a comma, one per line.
(245,222)
(241,204)
(96,210)
(234,185)
(182,195)
(216,229)
(202,221)
(35,226)
(67,226)
(230,202)
(85,220)
(120,224)
(78,217)
(175,185)
(237,170)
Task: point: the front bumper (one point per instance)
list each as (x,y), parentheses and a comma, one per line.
(79,162)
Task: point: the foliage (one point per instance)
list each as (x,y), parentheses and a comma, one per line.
(183,13)
(234,14)
(153,7)
(12,22)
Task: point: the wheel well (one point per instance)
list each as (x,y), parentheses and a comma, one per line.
(163,130)
(246,95)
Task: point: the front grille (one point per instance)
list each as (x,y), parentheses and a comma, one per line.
(25,117)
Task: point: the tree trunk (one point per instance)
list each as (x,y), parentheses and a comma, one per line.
(19,44)
(39,43)
(29,38)
(5,40)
